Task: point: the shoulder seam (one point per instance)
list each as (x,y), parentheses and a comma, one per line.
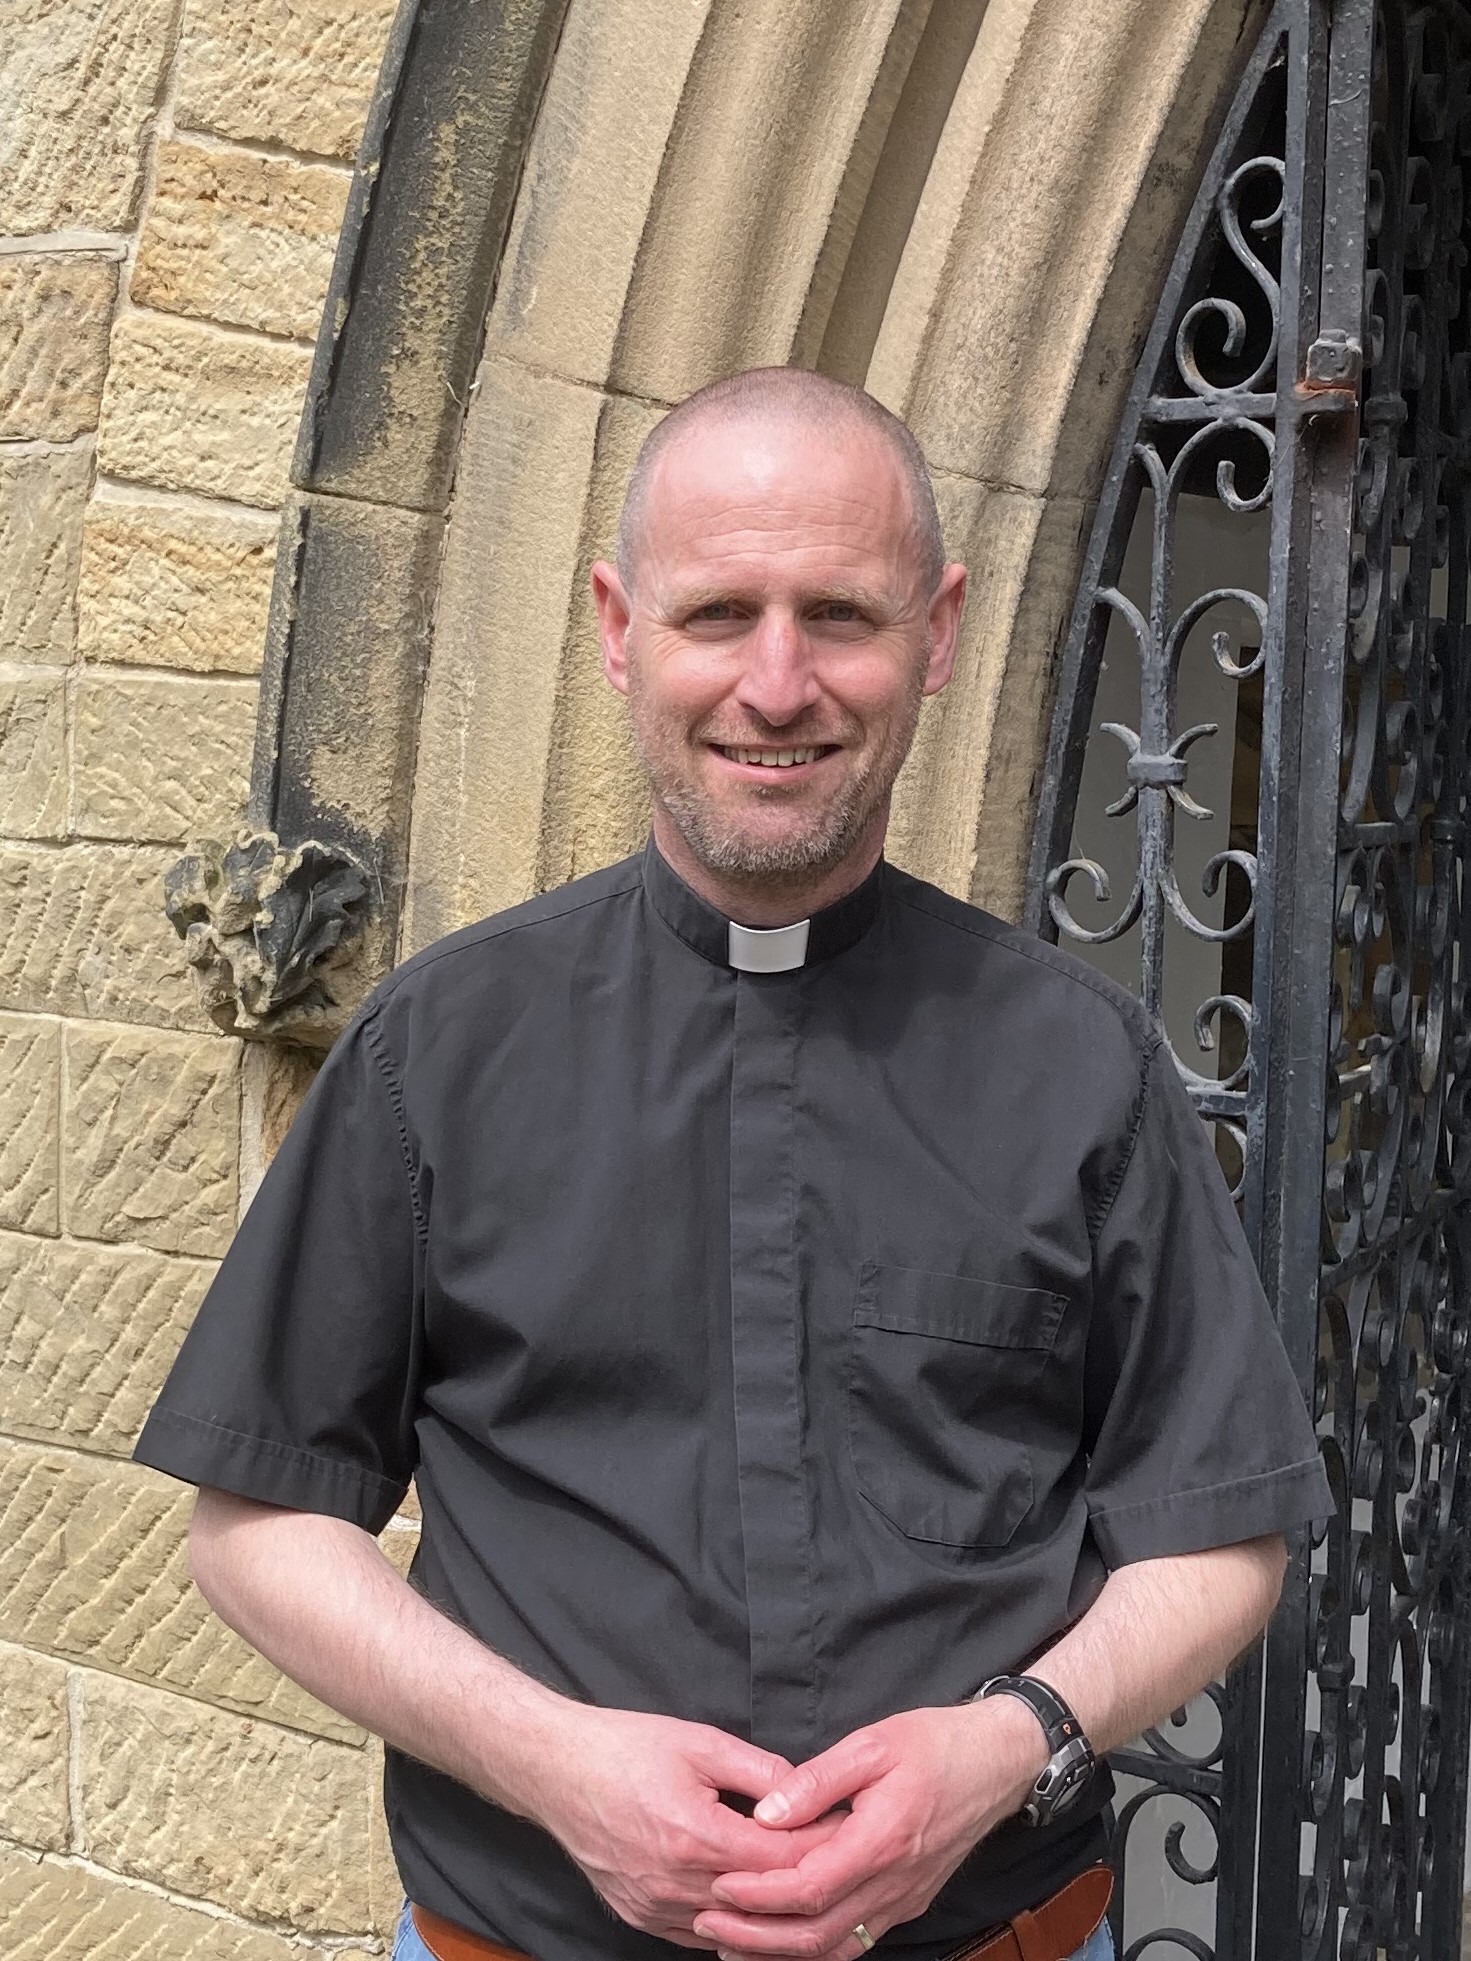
(1023,952)
(1126,1156)
(491,930)
(372,1035)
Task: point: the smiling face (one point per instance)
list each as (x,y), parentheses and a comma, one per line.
(774,647)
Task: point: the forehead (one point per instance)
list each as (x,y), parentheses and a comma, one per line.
(761,494)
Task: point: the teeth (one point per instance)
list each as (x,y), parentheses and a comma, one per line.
(771,758)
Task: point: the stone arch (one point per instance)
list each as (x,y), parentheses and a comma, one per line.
(967,205)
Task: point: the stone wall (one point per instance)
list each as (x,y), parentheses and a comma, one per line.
(170,195)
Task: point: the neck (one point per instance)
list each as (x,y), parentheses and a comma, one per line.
(764,900)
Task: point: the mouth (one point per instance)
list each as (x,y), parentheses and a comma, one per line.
(775,761)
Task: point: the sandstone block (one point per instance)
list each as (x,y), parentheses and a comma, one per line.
(30,1122)
(83,932)
(79,82)
(87,1334)
(257,1818)
(297,72)
(54,320)
(94,1568)
(150,1137)
(55,1912)
(42,497)
(190,407)
(33,757)
(33,1726)
(162,759)
(167,586)
(240,238)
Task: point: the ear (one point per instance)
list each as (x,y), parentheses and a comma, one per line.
(945,606)
(614,613)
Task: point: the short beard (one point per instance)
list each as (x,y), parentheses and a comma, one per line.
(800,856)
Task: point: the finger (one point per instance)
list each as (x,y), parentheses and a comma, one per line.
(777,1935)
(816,1786)
(859,1850)
(734,1765)
(850,1949)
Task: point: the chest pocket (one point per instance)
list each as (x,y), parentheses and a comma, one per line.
(942,1371)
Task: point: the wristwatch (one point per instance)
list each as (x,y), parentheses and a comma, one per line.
(1068,1771)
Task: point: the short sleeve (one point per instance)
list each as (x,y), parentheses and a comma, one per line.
(296,1384)
(1197,1429)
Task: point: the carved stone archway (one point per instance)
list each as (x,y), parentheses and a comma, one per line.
(564,218)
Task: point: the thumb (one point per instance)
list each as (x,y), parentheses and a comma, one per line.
(734,1765)
(816,1786)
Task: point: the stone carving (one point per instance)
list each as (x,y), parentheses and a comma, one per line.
(265,926)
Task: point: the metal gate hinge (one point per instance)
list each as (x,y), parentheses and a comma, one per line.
(1335,363)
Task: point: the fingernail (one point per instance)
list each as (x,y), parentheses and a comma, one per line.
(772,1809)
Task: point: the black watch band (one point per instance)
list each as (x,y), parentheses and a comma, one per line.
(1069,1769)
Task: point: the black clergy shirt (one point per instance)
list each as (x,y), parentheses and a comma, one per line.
(773,1350)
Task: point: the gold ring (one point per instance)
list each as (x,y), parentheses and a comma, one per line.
(863,1934)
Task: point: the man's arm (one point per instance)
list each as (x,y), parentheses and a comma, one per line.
(927,1785)
(634,1799)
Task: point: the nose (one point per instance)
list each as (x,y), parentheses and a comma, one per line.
(778,681)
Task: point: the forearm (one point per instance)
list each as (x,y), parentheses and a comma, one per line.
(318,1598)
(1158,1632)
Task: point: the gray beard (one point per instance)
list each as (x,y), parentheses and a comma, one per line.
(798,857)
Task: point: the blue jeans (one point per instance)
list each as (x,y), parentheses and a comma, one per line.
(408,1947)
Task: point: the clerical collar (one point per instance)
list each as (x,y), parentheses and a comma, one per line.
(752,949)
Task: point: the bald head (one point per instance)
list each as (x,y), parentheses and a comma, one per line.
(794,398)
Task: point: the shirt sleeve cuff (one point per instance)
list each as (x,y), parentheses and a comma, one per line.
(1217,1515)
(200,1452)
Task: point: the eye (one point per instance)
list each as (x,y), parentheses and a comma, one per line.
(716,612)
(839,612)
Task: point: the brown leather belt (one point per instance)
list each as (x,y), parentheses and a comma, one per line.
(1051,1932)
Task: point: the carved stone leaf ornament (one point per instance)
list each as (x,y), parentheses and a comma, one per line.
(266,927)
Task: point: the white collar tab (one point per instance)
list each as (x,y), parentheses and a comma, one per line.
(768,950)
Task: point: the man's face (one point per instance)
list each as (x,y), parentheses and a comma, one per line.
(777,642)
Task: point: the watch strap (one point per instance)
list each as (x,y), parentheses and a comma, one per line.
(1070,1766)
(1059,1722)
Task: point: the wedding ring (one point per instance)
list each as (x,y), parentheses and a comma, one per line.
(863,1934)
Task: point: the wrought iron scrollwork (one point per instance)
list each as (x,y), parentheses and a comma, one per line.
(1312,360)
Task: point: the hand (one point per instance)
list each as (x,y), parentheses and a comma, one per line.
(925,1787)
(635,1801)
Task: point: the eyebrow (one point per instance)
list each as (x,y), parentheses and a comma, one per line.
(838,592)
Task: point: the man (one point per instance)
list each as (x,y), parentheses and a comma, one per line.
(800,1297)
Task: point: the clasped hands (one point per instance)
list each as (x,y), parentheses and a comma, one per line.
(866,1833)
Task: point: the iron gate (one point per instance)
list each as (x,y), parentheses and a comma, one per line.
(1308,381)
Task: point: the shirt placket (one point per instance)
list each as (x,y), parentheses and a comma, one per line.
(766,1340)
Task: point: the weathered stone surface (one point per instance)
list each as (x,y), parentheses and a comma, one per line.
(79,82)
(42,497)
(33,1739)
(83,932)
(513,558)
(87,1334)
(55,1912)
(150,1137)
(33,756)
(287,1075)
(191,407)
(93,1567)
(54,319)
(571,247)
(297,72)
(1011,264)
(167,586)
(162,760)
(30,1122)
(240,238)
(257,1818)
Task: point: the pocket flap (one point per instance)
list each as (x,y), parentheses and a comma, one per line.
(990,1313)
